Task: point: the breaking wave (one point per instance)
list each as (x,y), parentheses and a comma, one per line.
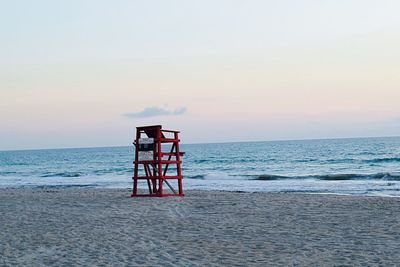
(64,186)
(333,177)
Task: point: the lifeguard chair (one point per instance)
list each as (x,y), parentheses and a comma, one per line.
(151,163)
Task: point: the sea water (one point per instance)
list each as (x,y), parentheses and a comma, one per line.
(359,166)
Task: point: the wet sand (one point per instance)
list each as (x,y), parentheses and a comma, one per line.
(105,227)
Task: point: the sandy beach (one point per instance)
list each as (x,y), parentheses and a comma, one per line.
(105,227)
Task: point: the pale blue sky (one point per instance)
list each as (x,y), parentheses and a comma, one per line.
(70,71)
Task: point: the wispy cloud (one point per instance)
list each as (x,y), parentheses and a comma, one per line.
(156,111)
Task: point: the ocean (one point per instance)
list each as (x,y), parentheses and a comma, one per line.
(357,166)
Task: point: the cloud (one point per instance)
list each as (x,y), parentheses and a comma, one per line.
(156,111)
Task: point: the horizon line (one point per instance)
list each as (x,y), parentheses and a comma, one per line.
(206,143)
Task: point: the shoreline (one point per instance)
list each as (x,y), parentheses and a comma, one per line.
(90,187)
(90,226)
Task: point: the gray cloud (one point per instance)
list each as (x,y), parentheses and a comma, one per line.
(156,111)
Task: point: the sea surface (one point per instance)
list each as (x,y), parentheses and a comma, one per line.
(362,166)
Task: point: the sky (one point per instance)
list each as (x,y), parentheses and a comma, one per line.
(83,73)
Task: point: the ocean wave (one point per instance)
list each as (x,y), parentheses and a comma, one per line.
(268,177)
(63,174)
(7,173)
(202,160)
(337,177)
(64,186)
(113,170)
(305,160)
(351,160)
(387,176)
(99,172)
(201,177)
(329,177)
(382,160)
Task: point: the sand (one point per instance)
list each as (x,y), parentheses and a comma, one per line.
(105,227)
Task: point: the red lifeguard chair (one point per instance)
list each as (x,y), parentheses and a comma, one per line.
(150,161)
